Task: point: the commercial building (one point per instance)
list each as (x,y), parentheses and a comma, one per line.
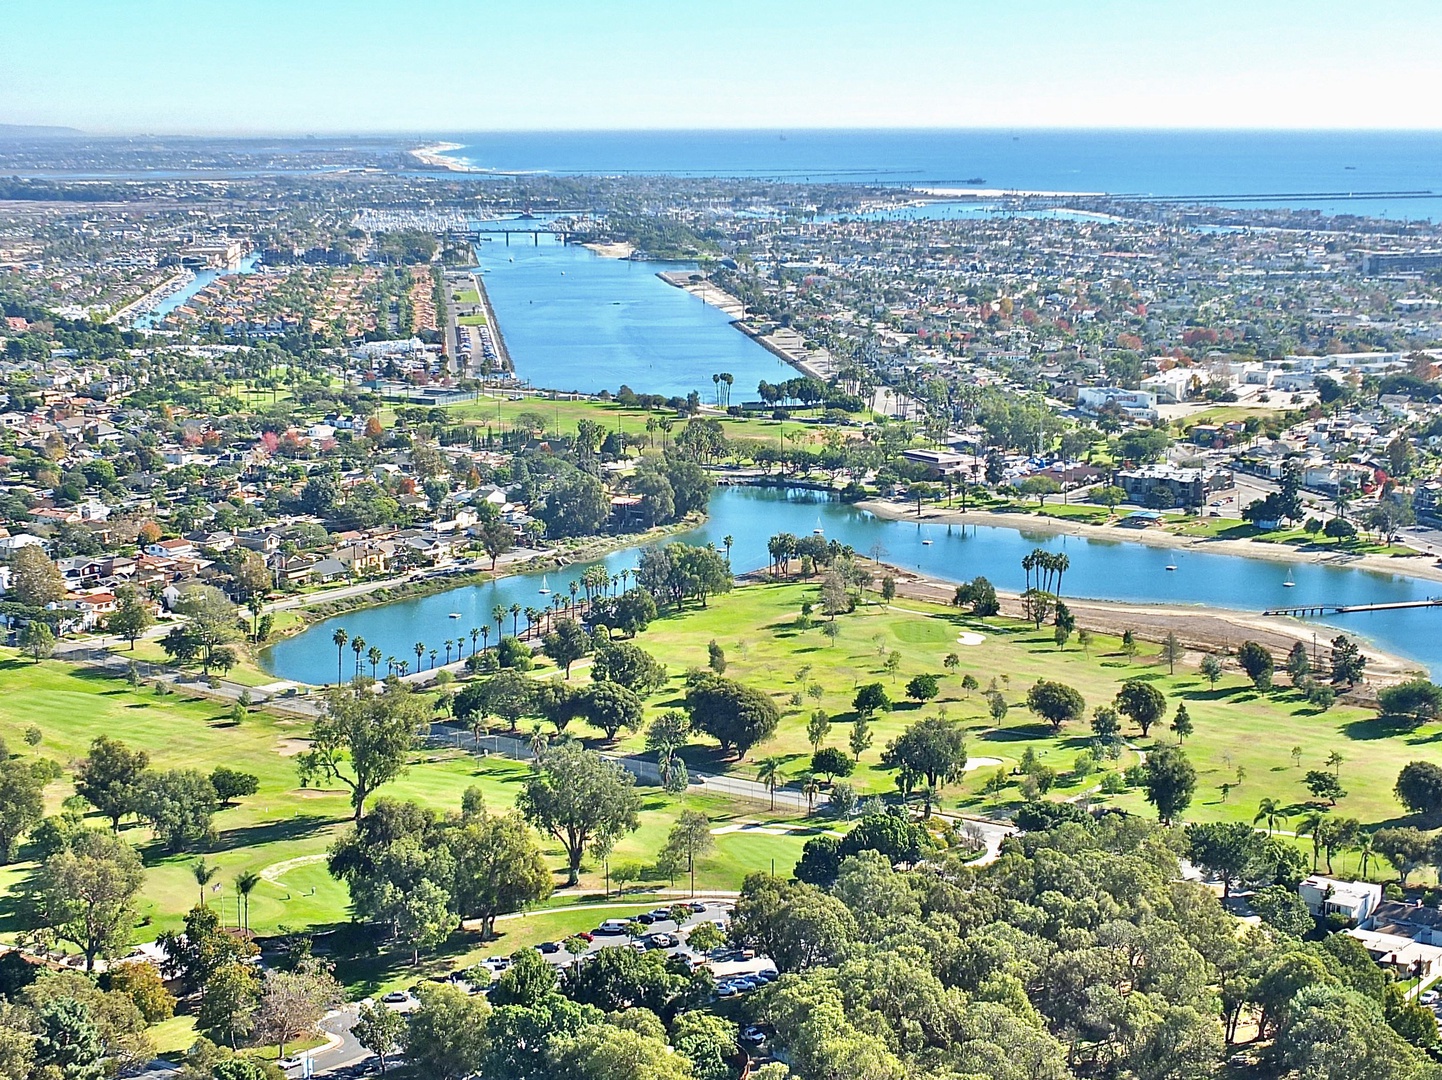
(1183,487)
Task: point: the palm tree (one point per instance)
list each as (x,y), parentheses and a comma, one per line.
(726,542)
(448,650)
(1365,848)
(499,614)
(404,667)
(575,588)
(374,654)
(339,638)
(810,787)
(769,773)
(538,741)
(204,873)
(390,666)
(515,619)
(357,646)
(419,648)
(1270,811)
(485,637)
(244,883)
(434,654)
(1315,826)
(475,633)
(1061,563)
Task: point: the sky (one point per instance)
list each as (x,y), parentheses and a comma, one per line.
(436,66)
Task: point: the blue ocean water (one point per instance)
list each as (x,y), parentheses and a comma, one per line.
(1289,168)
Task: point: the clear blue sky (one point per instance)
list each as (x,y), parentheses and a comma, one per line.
(476,65)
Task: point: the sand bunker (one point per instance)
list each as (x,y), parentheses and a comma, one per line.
(968,637)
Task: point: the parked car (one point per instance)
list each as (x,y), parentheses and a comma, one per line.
(661,941)
(647,919)
(751,1035)
(696,907)
(549,947)
(611,927)
(726,990)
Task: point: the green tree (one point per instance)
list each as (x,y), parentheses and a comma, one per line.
(1170,781)
(1055,702)
(178,804)
(1232,851)
(109,778)
(380,1030)
(1182,722)
(566,644)
(1142,702)
(1348,663)
(923,687)
(1256,661)
(690,839)
(737,716)
(363,739)
(869,700)
(1211,669)
(446,1038)
(610,707)
(578,796)
(498,868)
(228,1004)
(933,748)
(86,893)
(37,639)
(35,581)
(859,741)
(131,617)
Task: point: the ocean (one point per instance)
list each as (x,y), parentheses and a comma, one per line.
(1333,172)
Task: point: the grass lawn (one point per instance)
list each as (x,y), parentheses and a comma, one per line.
(284,830)
(472,320)
(563,414)
(1236,728)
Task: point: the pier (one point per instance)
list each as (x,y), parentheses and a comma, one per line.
(1304,610)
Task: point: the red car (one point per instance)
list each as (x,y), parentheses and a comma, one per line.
(585,935)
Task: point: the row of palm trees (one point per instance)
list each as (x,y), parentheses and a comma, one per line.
(1329,835)
(245,884)
(1045,565)
(596,582)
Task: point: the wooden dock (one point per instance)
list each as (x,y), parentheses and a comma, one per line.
(1304,610)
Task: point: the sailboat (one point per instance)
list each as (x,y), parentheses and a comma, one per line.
(1171,566)
(926,538)
(818,531)
(1289,583)
(454,615)
(545,589)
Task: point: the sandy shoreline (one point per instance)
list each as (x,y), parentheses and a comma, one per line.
(1420,566)
(437,156)
(620,249)
(1200,630)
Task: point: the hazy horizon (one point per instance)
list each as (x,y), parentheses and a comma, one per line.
(383,67)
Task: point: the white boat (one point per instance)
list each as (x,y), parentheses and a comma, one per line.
(1171,566)
(818,531)
(545,589)
(454,615)
(1289,583)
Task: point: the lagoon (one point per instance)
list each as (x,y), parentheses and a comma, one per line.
(1102,570)
(573,320)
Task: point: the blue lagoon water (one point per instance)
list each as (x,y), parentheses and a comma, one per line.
(1105,570)
(1218,166)
(575,321)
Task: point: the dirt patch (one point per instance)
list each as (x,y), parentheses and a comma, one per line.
(292,747)
(315,793)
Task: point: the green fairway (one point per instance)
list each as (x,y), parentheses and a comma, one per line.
(1236,727)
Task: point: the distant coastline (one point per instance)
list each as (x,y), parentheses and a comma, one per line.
(438,156)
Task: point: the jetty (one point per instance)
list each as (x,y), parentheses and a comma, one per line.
(1304,610)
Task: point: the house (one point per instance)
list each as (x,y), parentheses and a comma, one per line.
(1403,956)
(9,545)
(1414,921)
(170,549)
(361,559)
(1355,900)
(93,608)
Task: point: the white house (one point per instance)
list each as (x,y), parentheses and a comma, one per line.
(1355,900)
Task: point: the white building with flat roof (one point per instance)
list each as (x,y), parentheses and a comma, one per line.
(1354,900)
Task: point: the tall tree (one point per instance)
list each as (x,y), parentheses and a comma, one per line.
(86,893)
(578,797)
(363,739)
(109,778)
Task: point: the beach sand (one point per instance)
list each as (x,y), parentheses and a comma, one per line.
(437,156)
(618,250)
